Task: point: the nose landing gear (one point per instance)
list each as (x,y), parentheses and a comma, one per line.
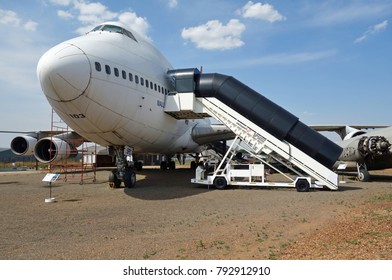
(125,171)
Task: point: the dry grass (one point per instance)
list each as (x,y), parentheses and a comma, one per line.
(166,217)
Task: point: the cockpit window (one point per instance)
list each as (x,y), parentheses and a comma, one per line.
(96,28)
(114,28)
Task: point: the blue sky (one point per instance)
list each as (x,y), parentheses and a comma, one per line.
(327,62)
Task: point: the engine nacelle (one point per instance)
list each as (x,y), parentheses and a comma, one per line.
(53,149)
(23,145)
(354,133)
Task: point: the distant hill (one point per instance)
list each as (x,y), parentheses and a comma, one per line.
(6,155)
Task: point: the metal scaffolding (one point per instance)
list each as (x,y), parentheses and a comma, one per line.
(76,164)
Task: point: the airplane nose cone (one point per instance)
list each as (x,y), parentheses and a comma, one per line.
(64,72)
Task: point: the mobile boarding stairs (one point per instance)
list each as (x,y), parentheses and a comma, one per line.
(265,127)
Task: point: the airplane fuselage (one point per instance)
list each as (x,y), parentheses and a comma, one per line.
(110,88)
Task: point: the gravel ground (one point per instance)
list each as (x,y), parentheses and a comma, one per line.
(167,217)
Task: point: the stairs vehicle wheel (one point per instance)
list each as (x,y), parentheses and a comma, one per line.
(302,185)
(220,183)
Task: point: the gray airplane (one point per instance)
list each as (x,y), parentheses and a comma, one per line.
(363,150)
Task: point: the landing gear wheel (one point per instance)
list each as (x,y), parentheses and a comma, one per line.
(363,175)
(129,178)
(163,165)
(302,185)
(172,165)
(220,183)
(114,182)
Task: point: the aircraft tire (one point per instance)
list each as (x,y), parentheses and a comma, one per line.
(220,183)
(163,165)
(114,182)
(129,178)
(363,175)
(172,165)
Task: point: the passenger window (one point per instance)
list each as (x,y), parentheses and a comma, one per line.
(159,88)
(147,84)
(124,74)
(141,81)
(108,70)
(130,77)
(155,87)
(116,73)
(151,86)
(98,66)
(136,79)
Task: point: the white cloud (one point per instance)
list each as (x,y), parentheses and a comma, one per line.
(173,3)
(18,68)
(285,58)
(9,18)
(31,25)
(260,11)
(333,12)
(381,26)
(61,2)
(306,113)
(139,24)
(19,54)
(64,14)
(90,14)
(93,13)
(371,31)
(213,35)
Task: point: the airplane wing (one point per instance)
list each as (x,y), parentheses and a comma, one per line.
(38,134)
(209,133)
(344,130)
(339,127)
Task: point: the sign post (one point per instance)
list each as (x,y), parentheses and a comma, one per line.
(50,178)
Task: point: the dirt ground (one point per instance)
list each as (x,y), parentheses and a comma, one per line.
(167,217)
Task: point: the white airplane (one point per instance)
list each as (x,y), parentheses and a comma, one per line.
(363,150)
(110,87)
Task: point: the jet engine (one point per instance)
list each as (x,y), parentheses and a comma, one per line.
(51,149)
(373,146)
(23,145)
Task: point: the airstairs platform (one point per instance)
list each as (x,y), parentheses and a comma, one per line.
(263,125)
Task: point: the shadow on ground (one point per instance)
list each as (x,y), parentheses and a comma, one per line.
(159,185)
